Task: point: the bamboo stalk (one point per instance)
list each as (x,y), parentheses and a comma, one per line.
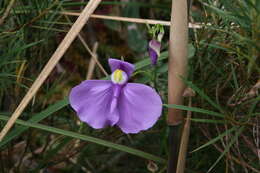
(177,58)
(57,55)
(177,68)
(133,20)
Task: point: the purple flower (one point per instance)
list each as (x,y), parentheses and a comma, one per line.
(154,50)
(132,107)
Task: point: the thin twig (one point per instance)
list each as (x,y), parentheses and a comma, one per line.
(64,45)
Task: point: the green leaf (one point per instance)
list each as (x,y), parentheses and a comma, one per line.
(147,61)
(88,139)
(113,25)
(135,39)
(191,50)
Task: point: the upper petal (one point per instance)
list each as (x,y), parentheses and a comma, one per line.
(92,100)
(139,108)
(122,65)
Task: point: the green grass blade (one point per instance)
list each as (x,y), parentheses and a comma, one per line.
(26,46)
(194,109)
(233,140)
(88,139)
(198,120)
(234,77)
(35,118)
(212,141)
(203,95)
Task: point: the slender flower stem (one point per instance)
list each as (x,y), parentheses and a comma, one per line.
(155,77)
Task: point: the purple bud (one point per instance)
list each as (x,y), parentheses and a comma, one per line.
(154,51)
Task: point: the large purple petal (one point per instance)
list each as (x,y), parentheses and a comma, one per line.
(94,103)
(122,65)
(139,108)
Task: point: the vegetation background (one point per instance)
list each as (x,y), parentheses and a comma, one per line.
(223,71)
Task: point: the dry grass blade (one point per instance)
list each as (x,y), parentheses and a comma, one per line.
(7,11)
(64,45)
(92,62)
(133,20)
(93,56)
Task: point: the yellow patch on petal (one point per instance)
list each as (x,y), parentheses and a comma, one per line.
(118,75)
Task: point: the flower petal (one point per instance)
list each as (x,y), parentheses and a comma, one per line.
(92,100)
(122,65)
(139,108)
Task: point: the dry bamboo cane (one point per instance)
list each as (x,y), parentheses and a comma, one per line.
(57,55)
(176,69)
